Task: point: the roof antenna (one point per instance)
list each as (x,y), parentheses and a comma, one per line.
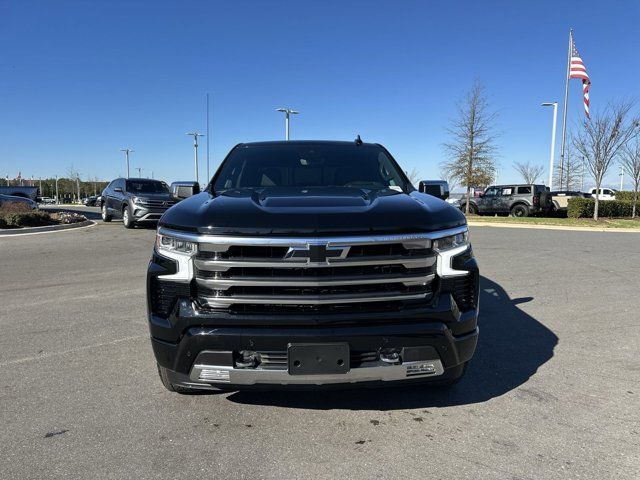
(358,140)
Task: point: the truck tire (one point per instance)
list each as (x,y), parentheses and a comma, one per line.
(164,378)
(520,210)
(473,210)
(127,217)
(105,216)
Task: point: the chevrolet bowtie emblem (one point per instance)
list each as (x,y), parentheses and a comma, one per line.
(316,253)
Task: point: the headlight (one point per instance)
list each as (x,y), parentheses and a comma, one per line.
(137,200)
(447,248)
(167,243)
(453,241)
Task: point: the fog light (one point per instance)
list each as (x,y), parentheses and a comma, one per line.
(390,355)
(214,375)
(248,359)
(421,368)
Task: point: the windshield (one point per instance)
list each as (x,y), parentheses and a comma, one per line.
(146,186)
(309,165)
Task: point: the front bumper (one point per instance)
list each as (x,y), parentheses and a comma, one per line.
(143,213)
(205,356)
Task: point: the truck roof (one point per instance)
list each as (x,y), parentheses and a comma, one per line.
(304,142)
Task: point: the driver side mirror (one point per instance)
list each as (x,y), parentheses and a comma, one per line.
(182,190)
(437,188)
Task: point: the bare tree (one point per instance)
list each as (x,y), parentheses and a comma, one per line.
(630,162)
(530,173)
(445,174)
(601,139)
(414,175)
(472,148)
(569,175)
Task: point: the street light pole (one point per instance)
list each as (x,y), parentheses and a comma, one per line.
(57,196)
(621,176)
(553,141)
(127,151)
(139,172)
(287,113)
(195,136)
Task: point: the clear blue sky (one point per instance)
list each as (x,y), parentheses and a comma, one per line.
(81,79)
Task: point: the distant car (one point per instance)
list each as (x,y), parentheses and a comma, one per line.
(604,193)
(560,199)
(47,200)
(19,191)
(516,200)
(90,201)
(7,200)
(455,199)
(135,200)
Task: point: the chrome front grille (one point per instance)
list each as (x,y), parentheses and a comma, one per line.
(157,203)
(312,274)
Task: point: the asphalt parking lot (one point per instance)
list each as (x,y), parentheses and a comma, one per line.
(553,392)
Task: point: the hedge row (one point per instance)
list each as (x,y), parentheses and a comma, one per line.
(24,219)
(583,208)
(625,196)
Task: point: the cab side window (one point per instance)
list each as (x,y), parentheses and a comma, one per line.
(491,192)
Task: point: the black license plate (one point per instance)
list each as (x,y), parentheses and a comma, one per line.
(318,358)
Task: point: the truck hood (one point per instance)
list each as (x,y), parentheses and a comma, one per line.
(311,211)
(154,196)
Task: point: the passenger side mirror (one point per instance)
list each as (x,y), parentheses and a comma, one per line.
(437,188)
(182,190)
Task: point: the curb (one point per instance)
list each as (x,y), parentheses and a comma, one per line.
(554,227)
(45,229)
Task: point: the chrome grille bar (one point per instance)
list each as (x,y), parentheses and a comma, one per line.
(225,302)
(226,283)
(226,264)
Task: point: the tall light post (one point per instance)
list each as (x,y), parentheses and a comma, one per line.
(621,176)
(127,151)
(553,141)
(139,171)
(78,184)
(195,136)
(287,114)
(57,196)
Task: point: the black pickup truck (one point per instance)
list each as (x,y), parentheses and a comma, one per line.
(311,263)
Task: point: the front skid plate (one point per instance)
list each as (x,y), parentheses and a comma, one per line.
(249,376)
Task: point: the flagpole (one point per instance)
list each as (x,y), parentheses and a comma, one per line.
(208,177)
(564,111)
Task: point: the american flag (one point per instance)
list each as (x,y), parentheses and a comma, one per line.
(578,70)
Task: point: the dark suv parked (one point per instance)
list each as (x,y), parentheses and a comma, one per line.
(135,200)
(516,200)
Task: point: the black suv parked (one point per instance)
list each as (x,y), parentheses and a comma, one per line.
(135,200)
(517,200)
(312,263)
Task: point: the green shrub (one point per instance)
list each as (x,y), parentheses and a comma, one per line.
(625,196)
(25,219)
(583,208)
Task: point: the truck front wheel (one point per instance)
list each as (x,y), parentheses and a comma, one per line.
(520,211)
